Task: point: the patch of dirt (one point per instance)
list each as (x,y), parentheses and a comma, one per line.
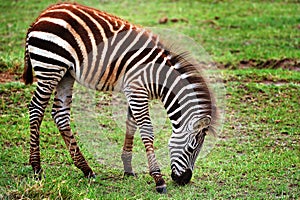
(277,83)
(286,63)
(9,77)
(165,20)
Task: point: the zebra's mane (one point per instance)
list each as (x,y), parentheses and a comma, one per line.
(196,76)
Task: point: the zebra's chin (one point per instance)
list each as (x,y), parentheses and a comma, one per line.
(182,179)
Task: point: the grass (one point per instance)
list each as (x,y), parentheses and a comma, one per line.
(258,154)
(230,31)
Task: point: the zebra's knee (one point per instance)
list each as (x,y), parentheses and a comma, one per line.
(54,114)
(36,113)
(60,114)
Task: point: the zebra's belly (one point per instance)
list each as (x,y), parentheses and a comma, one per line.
(110,83)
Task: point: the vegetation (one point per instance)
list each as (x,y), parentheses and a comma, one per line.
(257,156)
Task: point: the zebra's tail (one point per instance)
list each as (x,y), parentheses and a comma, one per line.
(27,74)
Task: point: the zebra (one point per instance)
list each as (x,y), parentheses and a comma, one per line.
(70,42)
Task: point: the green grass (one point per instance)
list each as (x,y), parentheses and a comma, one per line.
(230,31)
(258,154)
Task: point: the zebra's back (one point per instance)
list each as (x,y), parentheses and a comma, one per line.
(97,48)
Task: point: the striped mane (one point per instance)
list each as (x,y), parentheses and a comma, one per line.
(195,75)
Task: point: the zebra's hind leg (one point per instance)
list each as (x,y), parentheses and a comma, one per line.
(61,115)
(131,127)
(37,108)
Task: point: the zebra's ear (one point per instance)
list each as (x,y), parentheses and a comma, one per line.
(202,123)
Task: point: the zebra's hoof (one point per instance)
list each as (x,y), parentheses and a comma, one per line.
(161,189)
(128,174)
(90,175)
(38,177)
(38,174)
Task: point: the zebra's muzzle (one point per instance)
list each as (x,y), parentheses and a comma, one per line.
(184,178)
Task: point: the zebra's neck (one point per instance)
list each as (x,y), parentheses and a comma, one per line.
(179,86)
(184,94)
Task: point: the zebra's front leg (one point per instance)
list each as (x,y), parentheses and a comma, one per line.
(154,169)
(126,156)
(138,102)
(61,115)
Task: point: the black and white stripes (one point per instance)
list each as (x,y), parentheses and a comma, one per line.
(71,42)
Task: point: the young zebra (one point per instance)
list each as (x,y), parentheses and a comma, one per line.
(69,42)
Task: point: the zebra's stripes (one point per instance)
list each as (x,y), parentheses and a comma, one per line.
(69,42)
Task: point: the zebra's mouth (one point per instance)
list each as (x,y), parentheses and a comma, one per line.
(182,179)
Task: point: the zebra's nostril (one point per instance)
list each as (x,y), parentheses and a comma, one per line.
(184,178)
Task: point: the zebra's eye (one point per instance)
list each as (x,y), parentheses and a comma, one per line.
(194,141)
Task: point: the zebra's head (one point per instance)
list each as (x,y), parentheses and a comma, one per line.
(185,147)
